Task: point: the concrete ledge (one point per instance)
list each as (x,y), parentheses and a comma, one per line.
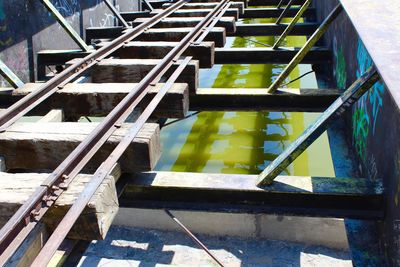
(329,232)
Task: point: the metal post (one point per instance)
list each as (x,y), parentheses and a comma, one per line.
(10,76)
(292,23)
(350,96)
(306,48)
(116,13)
(284,12)
(68,28)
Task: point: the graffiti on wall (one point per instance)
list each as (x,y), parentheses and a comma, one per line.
(340,65)
(366,110)
(4,39)
(67,8)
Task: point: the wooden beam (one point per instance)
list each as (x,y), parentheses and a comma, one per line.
(133,71)
(211,5)
(266,55)
(94,222)
(90,99)
(268,29)
(202,12)
(217,34)
(46,145)
(55,115)
(203,52)
(272,2)
(227,22)
(254,99)
(289,195)
(274,12)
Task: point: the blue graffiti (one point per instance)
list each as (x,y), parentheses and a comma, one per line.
(375,94)
(67,7)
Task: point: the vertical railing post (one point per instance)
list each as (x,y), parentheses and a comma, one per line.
(68,28)
(349,97)
(10,76)
(306,48)
(292,24)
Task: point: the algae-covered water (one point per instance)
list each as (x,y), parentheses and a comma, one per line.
(244,142)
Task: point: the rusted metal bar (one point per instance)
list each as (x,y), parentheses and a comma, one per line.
(67,27)
(283,14)
(349,97)
(116,13)
(193,237)
(306,48)
(215,20)
(35,207)
(23,106)
(69,219)
(73,164)
(290,27)
(10,76)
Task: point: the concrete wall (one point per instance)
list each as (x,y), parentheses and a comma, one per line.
(26,27)
(372,124)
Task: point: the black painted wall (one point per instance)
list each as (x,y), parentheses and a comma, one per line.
(372,125)
(26,27)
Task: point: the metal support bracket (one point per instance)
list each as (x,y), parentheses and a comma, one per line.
(148,5)
(10,76)
(306,48)
(67,27)
(290,27)
(348,98)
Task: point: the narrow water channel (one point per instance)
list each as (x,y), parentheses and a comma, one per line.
(244,142)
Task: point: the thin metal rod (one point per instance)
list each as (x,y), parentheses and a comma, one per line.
(27,103)
(286,10)
(194,238)
(10,76)
(290,27)
(47,194)
(147,3)
(80,203)
(116,13)
(306,48)
(67,27)
(349,97)
(280,4)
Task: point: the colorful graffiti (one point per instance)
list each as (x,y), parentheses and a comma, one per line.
(340,65)
(67,8)
(366,110)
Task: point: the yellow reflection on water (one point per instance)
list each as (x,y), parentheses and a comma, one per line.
(244,142)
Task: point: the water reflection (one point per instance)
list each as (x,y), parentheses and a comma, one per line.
(243,142)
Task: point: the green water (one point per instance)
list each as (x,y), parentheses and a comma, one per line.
(244,142)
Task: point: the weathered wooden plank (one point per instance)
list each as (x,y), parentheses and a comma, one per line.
(202,12)
(254,99)
(272,2)
(216,35)
(134,70)
(227,22)
(274,12)
(266,29)
(265,55)
(203,52)
(90,99)
(95,220)
(210,5)
(290,195)
(55,115)
(45,145)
